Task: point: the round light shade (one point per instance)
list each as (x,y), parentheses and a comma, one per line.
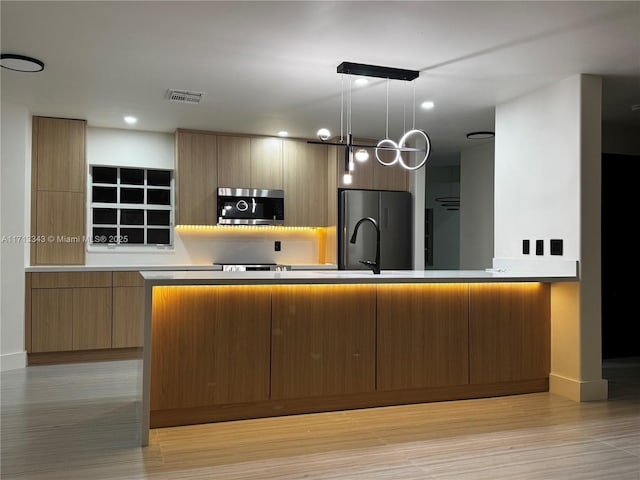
(362,155)
(323,134)
(20,63)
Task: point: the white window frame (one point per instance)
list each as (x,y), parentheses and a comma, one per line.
(123,245)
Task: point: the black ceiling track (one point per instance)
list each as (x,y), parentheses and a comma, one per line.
(377,71)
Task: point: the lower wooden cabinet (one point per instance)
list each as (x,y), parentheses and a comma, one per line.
(74,311)
(323,340)
(52,320)
(423,336)
(128,310)
(92,309)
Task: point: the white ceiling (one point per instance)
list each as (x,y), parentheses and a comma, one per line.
(269,66)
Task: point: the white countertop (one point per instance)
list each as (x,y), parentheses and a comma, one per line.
(344,276)
(136,268)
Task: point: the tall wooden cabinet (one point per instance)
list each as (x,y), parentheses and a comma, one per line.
(58,191)
(197,178)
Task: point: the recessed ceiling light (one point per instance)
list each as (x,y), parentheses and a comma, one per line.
(480,135)
(361,82)
(20,63)
(130,120)
(283,133)
(428,105)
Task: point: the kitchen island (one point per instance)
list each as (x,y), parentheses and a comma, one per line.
(234,345)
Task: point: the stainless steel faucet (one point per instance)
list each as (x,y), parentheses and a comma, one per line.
(375,265)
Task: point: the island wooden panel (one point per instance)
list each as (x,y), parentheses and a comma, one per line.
(423,336)
(509,328)
(197,178)
(210,346)
(91,318)
(323,340)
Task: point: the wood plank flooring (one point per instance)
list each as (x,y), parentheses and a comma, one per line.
(80,421)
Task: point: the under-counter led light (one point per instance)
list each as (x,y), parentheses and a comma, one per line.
(361,82)
(130,120)
(428,105)
(283,133)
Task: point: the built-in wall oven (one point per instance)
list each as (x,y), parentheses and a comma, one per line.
(250,206)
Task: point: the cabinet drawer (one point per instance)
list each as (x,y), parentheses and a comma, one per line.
(127,279)
(70,279)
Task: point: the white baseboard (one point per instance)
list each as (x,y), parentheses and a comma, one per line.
(12,361)
(577,390)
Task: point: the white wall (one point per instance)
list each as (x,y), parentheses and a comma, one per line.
(547,164)
(15,180)
(476,207)
(537,171)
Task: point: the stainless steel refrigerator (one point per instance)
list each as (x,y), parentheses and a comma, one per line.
(393,213)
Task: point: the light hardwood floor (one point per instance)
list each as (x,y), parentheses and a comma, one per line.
(79,421)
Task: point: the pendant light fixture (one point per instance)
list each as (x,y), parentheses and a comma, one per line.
(361,153)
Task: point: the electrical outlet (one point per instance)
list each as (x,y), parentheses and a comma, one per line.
(525,247)
(539,247)
(556,247)
(277,246)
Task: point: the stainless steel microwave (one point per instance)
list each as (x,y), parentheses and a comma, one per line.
(250,206)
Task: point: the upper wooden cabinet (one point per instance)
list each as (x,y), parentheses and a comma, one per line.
(234,161)
(305,184)
(249,162)
(58,191)
(59,154)
(266,163)
(197,178)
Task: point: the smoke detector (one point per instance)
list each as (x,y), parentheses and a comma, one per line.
(183,96)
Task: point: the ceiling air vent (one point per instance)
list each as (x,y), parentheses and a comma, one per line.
(184,96)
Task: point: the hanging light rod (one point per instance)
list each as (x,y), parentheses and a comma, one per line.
(377,71)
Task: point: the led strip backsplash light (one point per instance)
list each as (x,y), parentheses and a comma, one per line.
(243,228)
